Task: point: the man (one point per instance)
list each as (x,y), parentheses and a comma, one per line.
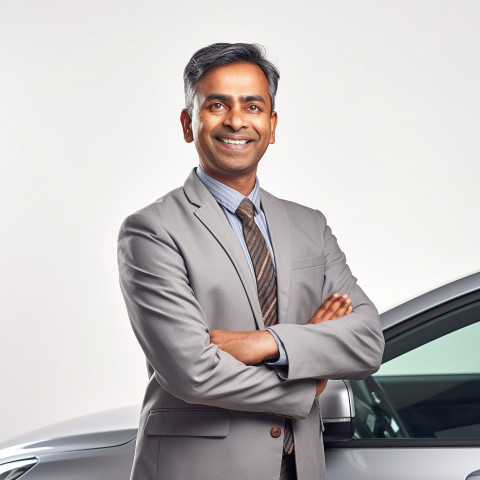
(242,307)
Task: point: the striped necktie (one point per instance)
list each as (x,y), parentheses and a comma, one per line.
(266,282)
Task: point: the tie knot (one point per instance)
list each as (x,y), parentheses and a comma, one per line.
(245,210)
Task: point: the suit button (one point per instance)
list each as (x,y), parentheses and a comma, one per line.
(275,432)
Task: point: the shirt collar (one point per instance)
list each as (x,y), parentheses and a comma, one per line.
(226,196)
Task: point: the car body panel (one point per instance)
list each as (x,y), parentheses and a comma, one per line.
(446,463)
(100,430)
(430,300)
(112,463)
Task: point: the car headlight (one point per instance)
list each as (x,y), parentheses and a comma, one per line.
(14,470)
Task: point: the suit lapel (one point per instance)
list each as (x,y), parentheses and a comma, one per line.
(279,228)
(212,217)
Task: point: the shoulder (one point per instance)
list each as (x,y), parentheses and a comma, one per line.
(159,213)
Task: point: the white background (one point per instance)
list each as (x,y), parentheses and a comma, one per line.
(379,128)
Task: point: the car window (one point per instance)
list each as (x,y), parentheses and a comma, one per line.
(457,352)
(429,384)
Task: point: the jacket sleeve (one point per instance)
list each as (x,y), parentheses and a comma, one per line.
(172,330)
(350,347)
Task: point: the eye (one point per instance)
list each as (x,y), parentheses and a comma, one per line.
(254,108)
(216,106)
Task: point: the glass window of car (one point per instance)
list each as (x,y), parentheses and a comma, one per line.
(429,384)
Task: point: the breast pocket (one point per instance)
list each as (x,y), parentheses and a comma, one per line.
(308,262)
(307,277)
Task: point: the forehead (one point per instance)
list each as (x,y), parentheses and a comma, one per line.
(235,79)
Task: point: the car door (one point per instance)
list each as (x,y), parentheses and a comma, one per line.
(418,417)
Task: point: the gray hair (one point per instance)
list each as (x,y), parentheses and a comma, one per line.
(218,54)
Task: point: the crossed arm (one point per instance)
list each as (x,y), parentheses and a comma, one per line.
(256,346)
(172,329)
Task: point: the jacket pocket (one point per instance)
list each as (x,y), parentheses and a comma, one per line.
(189,422)
(307,262)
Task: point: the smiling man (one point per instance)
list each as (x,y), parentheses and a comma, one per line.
(242,302)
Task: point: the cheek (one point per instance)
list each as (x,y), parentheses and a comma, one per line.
(264,129)
(204,128)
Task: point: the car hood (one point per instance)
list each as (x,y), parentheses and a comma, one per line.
(100,430)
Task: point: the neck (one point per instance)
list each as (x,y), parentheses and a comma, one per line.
(241,183)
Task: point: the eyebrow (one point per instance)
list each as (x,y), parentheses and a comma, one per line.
(243,99)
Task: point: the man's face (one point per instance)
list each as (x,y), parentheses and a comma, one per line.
(231,124)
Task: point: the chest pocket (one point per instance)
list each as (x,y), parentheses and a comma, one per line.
(308,262)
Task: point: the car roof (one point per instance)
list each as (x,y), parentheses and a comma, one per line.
(430,300)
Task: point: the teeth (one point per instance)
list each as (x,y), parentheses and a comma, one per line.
(234,142)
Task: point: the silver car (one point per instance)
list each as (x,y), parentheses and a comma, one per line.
(418,417)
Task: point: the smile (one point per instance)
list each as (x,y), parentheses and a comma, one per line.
(234,142)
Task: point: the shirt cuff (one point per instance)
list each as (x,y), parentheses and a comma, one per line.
(282,359)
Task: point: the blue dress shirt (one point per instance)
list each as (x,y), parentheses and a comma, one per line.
(229,200)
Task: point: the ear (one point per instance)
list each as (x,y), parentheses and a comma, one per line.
(186,121)
(273,126)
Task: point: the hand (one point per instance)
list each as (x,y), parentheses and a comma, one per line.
(321,383)
(333,308)
(250,348)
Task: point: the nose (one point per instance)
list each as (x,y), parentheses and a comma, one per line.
(235,119)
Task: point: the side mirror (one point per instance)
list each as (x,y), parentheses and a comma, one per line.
(338,411)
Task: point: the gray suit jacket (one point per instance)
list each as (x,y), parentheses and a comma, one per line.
(206,415)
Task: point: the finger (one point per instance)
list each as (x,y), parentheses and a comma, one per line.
(342,310)
(346,309)
(320,313)
(328,302)
(337,305)
(328,311)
